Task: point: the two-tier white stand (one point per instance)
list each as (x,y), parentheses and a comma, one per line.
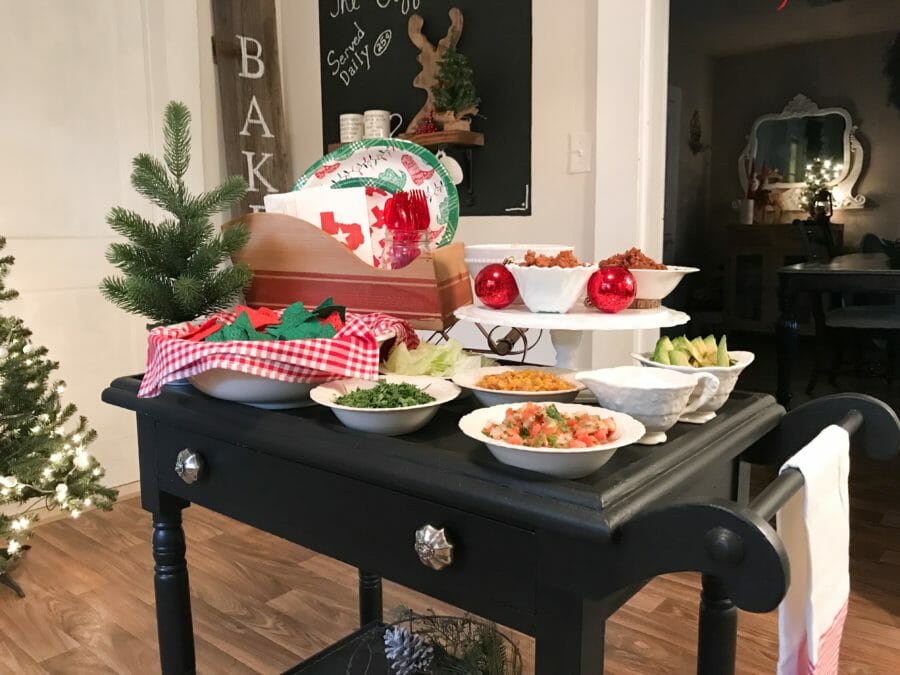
(566,329)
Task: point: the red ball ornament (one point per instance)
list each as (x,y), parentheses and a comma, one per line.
(495,286)
(611,289)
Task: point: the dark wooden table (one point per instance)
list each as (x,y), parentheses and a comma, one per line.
(856,273)
(549,557)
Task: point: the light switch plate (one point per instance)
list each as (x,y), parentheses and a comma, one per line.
(580,152)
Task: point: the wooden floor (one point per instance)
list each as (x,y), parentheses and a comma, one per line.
(261,604)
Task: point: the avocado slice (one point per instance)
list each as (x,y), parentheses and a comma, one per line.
(679,358)
(696,352)
(722,353)
(661,354)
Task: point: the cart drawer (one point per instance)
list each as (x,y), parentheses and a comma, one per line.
(368,526)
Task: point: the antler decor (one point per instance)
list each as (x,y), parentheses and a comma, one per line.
(430,56)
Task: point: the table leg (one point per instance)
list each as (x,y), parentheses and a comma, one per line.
(370,607)
(717,636)
(173,598)
(786,333)
(818,311)
(570,635)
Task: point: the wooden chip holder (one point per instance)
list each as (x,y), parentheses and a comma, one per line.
(294,260)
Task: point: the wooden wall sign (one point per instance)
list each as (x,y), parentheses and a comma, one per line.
(245,50)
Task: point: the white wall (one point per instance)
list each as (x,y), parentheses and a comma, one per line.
(86,84)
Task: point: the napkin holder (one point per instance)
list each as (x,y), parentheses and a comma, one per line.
(294,260)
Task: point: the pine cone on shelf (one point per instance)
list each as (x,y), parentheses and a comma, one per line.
(407,653)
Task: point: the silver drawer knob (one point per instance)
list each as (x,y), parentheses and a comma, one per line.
(433,547)
(189,465)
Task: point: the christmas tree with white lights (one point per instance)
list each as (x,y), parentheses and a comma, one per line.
(43,456)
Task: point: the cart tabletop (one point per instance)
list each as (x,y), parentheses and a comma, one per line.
(440,462)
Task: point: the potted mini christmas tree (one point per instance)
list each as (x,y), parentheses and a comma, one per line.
(455,100)
(43,459)
(179,269)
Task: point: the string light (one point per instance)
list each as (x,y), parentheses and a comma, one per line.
(13,547)
(75,513)
(27,348)
(56,457)
(60,388)
(88,501)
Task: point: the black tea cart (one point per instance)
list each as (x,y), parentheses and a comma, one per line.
(549,557)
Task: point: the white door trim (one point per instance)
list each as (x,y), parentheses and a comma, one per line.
(632,83)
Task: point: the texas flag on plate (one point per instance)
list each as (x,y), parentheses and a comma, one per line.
(343,213)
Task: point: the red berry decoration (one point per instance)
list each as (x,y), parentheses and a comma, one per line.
(611,289)
(495,286)
(427,125)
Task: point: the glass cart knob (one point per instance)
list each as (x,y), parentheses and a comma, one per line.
(433,547)
(189,465)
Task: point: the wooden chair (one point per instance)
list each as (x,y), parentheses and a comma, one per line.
(848,321)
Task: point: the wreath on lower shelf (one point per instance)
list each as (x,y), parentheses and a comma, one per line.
(420,644)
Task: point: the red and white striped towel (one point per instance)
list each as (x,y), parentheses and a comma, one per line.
(353,352)
(815,528)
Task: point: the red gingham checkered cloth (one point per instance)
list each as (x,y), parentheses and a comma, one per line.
(353,352)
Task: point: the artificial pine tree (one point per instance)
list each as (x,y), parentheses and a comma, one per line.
(41,460)
(180,268)
(455,89)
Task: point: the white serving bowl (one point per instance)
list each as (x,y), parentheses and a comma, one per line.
(386,421)
(573,463)
(255,390)
(653,396)
(657,284)
(728,377)
(479,256)
(469,380)
(551,289)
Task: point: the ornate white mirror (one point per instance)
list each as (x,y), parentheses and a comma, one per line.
(799,138)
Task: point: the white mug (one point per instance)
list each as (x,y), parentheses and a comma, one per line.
(352,125)
(378,123)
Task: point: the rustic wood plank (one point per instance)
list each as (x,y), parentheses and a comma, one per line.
(249,70)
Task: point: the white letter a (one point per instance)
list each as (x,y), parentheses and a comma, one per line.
(259,119)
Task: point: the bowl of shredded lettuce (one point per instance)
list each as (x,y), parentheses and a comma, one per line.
(444,360)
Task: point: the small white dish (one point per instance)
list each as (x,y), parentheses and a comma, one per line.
(563,463)
(657,284)
(249,389)
(728,377)
(386,421)
(551,289)
(657,398)
(479,256)
(488,397)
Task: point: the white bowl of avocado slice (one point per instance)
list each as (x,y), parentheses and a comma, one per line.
(687,356)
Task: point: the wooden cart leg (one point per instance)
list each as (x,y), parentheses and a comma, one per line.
(370,607)
(570,635)
(173,597)
(717,640)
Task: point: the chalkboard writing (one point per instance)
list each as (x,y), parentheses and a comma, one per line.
(368,62)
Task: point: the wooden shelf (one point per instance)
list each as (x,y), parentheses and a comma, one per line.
(466,139)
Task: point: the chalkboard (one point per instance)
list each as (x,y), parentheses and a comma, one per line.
(368,62)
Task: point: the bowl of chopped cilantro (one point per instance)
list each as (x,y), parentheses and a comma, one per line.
(392,405)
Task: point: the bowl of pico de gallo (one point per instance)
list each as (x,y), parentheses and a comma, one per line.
(567,440)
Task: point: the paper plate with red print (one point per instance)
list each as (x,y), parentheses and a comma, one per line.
(391,164)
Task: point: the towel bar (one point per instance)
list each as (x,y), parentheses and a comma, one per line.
(779,491)
(876,431)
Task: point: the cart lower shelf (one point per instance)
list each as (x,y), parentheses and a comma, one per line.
(358,653)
